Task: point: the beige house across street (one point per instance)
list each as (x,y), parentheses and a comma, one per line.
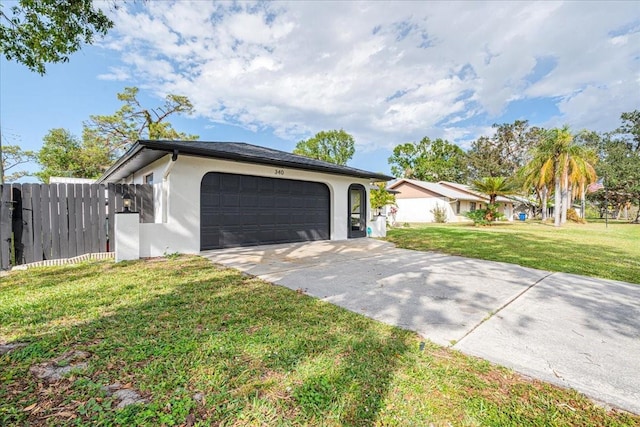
(417,200)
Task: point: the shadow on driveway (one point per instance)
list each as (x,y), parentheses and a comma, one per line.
(570,330)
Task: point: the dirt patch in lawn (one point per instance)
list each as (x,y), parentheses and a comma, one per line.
(7,347)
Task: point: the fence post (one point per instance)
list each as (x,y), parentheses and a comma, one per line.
(27,217)
(17,223)
(5,226)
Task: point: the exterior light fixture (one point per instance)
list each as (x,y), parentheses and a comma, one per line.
(126,202)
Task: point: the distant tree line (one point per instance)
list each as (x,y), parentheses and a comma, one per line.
(536,163)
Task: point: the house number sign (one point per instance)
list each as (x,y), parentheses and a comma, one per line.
(279,171)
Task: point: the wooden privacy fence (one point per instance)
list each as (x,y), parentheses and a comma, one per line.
(41,222)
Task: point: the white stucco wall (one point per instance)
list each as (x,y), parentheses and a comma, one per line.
(507,210)
(181,231)
(419,210)
(127,231)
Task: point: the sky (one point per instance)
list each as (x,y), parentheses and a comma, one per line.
(274,73)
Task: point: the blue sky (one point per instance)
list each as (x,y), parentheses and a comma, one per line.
(387,72)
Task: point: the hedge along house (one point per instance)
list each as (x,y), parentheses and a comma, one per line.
(211,195)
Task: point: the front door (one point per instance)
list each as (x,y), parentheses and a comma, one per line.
(357,211)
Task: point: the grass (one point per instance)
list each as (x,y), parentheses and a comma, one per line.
(586,249)
(210,346)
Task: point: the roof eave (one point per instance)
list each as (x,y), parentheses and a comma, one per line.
(130,154)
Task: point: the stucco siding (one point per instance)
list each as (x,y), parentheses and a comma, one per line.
(180,232)
(409,191)
(419,210)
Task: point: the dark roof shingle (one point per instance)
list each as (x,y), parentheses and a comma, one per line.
(144,152)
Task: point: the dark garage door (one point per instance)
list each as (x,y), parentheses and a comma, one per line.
(245,210)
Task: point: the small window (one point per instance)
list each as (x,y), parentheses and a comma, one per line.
(458,207)
(148,179)
(472,206)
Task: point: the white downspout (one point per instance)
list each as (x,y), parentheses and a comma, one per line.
(165,186)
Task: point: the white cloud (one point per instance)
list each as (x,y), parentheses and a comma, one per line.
(116,74)
(386,72)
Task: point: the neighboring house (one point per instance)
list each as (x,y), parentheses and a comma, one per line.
(505,205)
(212,195)
(70,180)
(416,201)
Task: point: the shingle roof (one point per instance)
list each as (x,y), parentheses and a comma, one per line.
(145,152)
(440,189)
(467,189)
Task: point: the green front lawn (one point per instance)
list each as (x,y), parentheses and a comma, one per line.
(587,249)
(210,346)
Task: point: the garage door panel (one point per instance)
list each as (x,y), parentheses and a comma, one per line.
(266,201)
(282,201)
(229,200)
(249,201)
(243,210)
(250,183)
(212,203)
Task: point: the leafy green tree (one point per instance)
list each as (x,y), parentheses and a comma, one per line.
(621,171)
(105,138)
(505,152)
(13,156)
(630,128)
(619,165)
(333,146)
(63,154)
(429,160)
(37,32)
(59,155)
(116,133)
(379,197)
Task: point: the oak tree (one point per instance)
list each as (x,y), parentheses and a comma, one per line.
(333,146)
(35,33)
(12,157)
(429,160)
(505,152)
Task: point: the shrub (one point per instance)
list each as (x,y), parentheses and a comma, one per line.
(573,216)
(380,197)
(478,216)
(485,216)
(439,214)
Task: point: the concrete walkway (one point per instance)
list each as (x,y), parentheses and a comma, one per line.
(570,330)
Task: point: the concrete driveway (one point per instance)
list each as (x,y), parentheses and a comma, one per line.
(570,330)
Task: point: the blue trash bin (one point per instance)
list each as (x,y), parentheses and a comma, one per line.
(522,216)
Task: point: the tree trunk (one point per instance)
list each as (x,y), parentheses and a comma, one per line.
(1,162)
(583,202)
(565,199)
(545,201)
(557,200)
(626,210)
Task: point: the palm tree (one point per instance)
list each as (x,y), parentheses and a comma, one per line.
(531,175)
(557,157)
(492,186)
(582,172)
